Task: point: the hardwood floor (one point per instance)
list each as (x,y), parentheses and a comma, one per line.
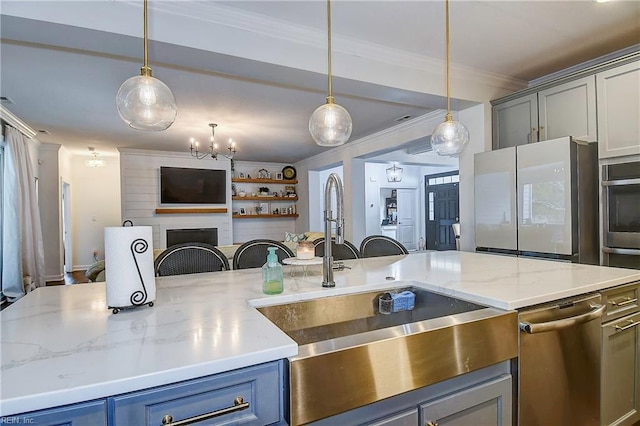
(75,277)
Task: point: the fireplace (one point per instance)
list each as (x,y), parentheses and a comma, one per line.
(194,235)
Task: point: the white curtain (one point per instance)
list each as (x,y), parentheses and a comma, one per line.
(22,250)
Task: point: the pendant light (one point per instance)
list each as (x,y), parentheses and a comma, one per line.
(330,124)
(144,102)
(451,137)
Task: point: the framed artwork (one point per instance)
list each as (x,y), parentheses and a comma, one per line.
(279,176)
(264,208)
(242,211)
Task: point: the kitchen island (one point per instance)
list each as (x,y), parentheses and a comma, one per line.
(62,345)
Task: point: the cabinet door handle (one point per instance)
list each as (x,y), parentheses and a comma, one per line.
(431,423)
(533,131)
(238,404)
(541,134)
(625,302)
(630,324)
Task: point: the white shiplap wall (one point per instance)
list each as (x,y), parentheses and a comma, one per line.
(140,182)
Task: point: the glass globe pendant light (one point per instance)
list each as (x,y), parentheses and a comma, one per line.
(144,102)
(451,137)
(330,124)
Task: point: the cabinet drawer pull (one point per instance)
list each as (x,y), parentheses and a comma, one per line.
(625,302)
(238,404)
(630,324)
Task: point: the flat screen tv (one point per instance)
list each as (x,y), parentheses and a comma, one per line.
(192,186)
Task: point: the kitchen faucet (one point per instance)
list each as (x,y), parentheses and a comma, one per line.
(327,261)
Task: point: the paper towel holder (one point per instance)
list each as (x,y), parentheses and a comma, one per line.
(138,297)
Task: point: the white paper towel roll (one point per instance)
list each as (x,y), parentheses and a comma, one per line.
(128,256)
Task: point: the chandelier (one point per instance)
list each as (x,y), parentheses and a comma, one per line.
(214,150)
(94,161)
(394,174)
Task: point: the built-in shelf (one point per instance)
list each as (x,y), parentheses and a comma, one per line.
(191,211)
(256,180)
(237,198)
(262,216)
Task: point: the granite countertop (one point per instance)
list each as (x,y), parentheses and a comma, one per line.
(61,345)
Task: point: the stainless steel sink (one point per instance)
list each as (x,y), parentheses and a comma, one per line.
(351,355)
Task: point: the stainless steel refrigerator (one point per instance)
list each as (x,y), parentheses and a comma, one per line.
(539,199)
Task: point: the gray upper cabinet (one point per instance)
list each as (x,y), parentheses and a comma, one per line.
(515,122)
(567,109)
(618,111)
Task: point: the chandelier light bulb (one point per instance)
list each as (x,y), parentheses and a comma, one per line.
(146,103)
(330,125)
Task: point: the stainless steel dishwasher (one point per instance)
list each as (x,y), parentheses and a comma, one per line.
(559,363)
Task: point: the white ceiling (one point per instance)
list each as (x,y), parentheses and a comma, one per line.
(62,63)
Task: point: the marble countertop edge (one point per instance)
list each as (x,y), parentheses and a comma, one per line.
(86,393)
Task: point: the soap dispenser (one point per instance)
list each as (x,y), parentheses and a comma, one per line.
(272,278)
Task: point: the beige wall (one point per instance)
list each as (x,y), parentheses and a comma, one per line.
(95,204)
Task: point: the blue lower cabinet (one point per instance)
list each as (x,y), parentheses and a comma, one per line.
(251,396)
(93,413)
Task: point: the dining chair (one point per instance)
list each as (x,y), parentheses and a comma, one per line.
(190,258)
(381,245)
(253,254)
(339,251)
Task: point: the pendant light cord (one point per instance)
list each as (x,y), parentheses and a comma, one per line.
(329,78)
(146,70)
(448,118)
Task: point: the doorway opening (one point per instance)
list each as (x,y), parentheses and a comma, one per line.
(442,195)
(66,228)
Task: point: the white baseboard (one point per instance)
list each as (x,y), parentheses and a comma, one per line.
(48,278)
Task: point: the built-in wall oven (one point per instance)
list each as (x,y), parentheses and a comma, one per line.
(621,197)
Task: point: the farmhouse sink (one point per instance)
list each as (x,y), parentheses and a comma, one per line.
(350,354)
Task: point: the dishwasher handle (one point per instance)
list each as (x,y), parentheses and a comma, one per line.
(532,328)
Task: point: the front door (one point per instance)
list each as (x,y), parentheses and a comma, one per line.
(442,212)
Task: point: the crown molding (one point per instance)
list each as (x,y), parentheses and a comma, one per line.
(261,25)
(15,122)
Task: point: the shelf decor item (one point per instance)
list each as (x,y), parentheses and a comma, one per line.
(289,172)
(451,137)
(330,124)
(143,101)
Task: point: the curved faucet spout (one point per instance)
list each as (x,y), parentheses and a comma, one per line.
(327,261)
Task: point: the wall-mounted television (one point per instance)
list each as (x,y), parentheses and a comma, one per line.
(192,186)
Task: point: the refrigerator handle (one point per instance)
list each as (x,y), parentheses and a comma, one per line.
(532,328)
